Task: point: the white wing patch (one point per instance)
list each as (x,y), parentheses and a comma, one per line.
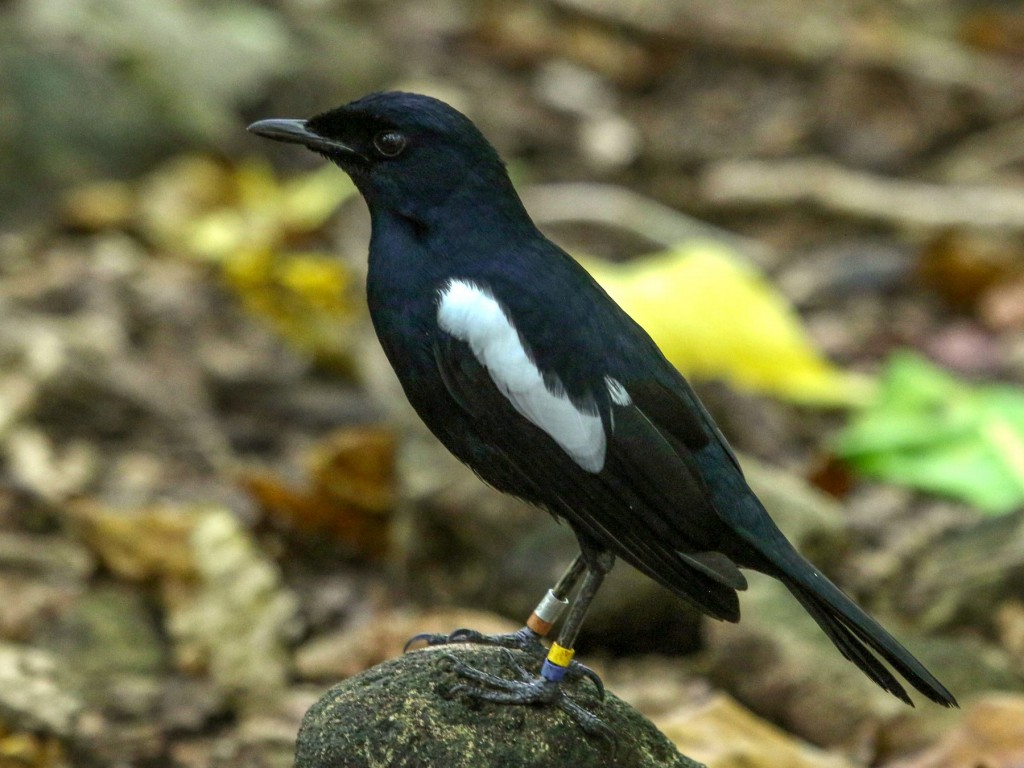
(471,314)
(617,392)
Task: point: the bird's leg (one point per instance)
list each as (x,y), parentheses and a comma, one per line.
(546,688)
(559,661)
(544,616)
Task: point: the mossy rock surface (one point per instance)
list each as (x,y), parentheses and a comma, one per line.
(400,714)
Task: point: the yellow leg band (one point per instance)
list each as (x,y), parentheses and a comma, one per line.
(560,656)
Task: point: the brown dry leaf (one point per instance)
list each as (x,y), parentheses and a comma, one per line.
(962,266)
(991,734)
(532,33)
(1001,307)
(237,618)
(101,205)
(30,750)
(1009,621)
(832,476)
(348,652)
(357,466)
(998,30)
(351,491)
(140,544)
(31,697)
(55,473)
(226,607)
(719,731)
(29,602)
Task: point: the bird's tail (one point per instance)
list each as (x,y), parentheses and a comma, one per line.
(858,636)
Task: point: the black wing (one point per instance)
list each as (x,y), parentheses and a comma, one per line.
(648,503)
(671,500)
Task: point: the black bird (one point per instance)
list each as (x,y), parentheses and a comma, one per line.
(533,376)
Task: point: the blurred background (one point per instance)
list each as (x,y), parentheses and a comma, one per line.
(215,503)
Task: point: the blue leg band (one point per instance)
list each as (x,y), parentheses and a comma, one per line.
(552,672)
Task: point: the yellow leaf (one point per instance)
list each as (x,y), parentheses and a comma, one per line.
(310,199)
(217,234)
(181,190)
(308,298)
(716,317)
(197,205)
(256,186)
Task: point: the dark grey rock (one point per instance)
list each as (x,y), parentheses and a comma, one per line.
(400,713)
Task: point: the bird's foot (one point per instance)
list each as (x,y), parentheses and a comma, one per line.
(524,639)
(528,688)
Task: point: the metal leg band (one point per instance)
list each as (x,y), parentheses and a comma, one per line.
(546,613)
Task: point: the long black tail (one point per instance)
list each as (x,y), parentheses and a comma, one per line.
(856,634)
(764,548)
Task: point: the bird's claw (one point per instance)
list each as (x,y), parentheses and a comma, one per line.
(577,670)
(524,639)
(528,688)
(427,637)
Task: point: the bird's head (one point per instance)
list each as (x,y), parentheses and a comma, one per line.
(406,153)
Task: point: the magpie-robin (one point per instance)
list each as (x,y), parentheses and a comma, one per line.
(529,373)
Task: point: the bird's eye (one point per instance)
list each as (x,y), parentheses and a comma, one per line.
(389,143)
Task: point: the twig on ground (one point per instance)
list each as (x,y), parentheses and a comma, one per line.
(833,188)
(816,36)
(624,209)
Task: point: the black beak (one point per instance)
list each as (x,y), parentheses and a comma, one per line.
(297,132)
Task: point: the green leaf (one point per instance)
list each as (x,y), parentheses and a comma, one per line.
(932,431)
